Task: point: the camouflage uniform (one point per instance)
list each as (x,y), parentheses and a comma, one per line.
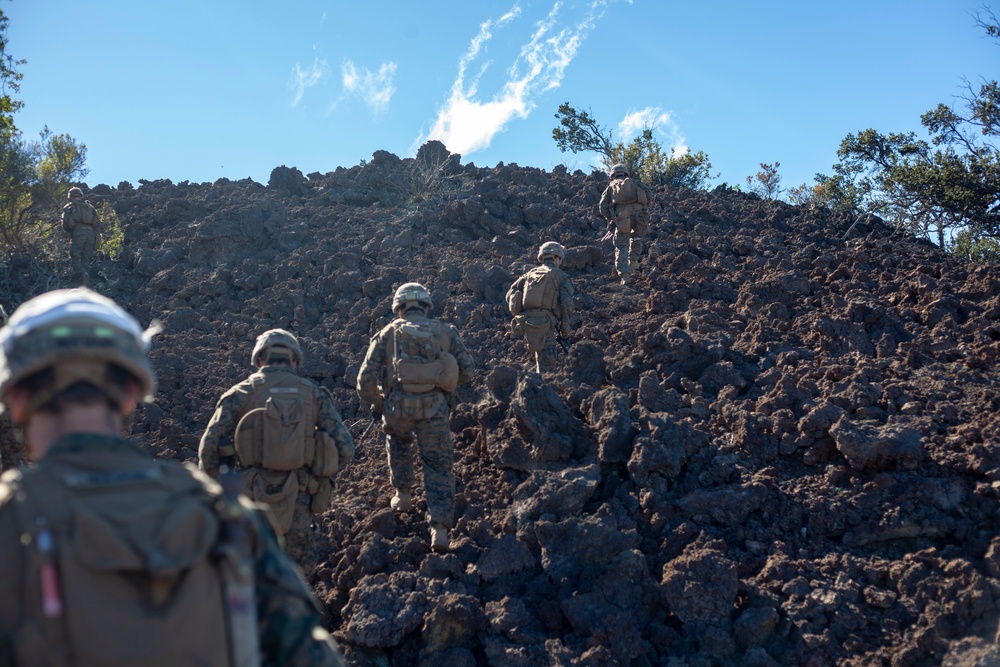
(217,444)
(288,618)
(433,434)
(81,221)
(547,358)
(623,215)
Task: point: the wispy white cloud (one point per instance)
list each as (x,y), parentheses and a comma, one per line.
(467,123)
(658,120)
(375,88)
(303,79)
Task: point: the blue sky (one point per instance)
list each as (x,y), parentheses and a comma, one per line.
(199,90)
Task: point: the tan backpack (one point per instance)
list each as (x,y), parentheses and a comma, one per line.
(421,356)
(131,567)
(277,431)
(541,289)
(626,191)
(84,213)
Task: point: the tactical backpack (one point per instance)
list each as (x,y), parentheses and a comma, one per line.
(626,191)
(277,439)
(421,357)
(541,289)
(79,213)
(131,567)
(276,431)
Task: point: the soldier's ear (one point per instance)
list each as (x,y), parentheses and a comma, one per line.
(130,400)
(16,400)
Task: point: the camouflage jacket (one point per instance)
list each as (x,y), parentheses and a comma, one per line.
(217,440)
(288,617)
(373,383)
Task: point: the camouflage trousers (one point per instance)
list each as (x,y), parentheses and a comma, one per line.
(431,433)
(83,245)
(290,509)
(300,544)
(627,244)
(541,339)
(547,359)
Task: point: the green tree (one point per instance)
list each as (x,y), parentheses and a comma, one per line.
(112,233)
(643,156)
(976,248)
(767,182)
(34,176)
(931,188)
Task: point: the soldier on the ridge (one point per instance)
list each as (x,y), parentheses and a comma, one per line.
(286,434)
(111,556)
(409,376)
(624,204)
(80,220)
(541,302)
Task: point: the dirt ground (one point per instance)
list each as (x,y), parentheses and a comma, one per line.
(779,447)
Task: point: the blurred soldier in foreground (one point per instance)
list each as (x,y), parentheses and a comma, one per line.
(112,557)
(624,204)
(409,376)
(541,302)
(286,434)
(81,221)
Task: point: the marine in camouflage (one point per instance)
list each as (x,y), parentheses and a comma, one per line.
(217,448)
(622,204)
(550,255)
(81,221)
(426,429)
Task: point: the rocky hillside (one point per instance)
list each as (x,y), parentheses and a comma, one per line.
(779,448)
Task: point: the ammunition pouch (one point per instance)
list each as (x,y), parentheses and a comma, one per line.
(320,494)
(278,490)
(536,326)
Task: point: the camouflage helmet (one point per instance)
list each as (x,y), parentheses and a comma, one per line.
(411,292)
(619,170)
(74,192)
(273,344)
(551,248)
(77,334)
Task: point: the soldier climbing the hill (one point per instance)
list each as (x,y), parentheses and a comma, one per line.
(80,220)
(541,302)
(625,205)
(409,376)
(111,556)
(285,433)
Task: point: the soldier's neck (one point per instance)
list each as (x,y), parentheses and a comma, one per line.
(44,428)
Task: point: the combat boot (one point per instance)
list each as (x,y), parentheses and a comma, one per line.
(402,501)
(439,538)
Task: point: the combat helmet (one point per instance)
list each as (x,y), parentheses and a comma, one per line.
(74,191)
(411,292)
(79,335)
(619,170)
(551,249)
(275,344)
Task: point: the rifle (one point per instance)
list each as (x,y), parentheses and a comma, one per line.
(368,428)
(610,231)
